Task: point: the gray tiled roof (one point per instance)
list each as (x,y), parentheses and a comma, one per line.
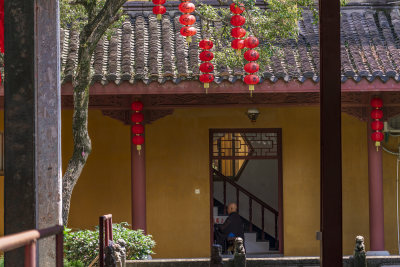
(150,50)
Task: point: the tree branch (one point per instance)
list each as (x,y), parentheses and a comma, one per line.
(88,40)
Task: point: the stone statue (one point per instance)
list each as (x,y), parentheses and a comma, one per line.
(216,259)
(239,257)
(122,251)
(109,257)
(116,254)
(359,257)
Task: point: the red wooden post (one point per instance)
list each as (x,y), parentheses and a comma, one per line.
(107,233)
(59,249)
(110,229)
(30,254)
(331,145)
(101,241)
(375,173)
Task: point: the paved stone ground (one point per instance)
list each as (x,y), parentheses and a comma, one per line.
(373,261)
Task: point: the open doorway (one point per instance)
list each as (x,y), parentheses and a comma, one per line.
(246,169)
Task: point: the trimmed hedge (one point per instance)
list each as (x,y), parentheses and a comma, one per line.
(83,245)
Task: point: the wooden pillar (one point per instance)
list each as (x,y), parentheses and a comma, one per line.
(375,174)
(138,183)
(331,159)
(32,123)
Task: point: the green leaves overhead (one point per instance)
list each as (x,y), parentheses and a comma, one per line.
(277,20)
(75,14)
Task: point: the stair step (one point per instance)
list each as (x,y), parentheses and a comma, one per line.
(254,246)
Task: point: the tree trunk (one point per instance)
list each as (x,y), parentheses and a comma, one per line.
(88,39)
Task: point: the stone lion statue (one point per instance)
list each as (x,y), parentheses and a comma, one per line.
(110,260)
(239,257)
(359,256)
(239,247)
(216,259)
(116,254)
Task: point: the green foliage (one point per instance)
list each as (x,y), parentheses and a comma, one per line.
(82,245)
(76,263)
(75,15)
(270,25)
(279,21)
(2,261)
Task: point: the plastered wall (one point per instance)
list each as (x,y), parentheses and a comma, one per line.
(177,164)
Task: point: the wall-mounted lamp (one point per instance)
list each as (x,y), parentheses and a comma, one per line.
(252,114)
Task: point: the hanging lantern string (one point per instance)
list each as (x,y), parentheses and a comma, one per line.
(237,20)
(206,67)
(187,19)
(251,67)
(137,128)
(376,124)
(159,9)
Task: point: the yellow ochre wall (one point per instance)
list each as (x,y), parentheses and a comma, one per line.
(177,164)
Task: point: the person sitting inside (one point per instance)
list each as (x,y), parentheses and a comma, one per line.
(232,227)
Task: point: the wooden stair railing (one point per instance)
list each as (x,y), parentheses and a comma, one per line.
(28,239)
(264,206)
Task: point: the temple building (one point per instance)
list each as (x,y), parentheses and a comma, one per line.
(203,150)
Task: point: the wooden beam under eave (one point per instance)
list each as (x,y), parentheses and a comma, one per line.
(195,87)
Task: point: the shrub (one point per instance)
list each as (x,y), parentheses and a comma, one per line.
(83,245)
(76,263)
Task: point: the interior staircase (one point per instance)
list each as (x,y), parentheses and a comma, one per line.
(252,240)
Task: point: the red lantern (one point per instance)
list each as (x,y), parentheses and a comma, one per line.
(138,140)
(377,137)
(137,117)
(238,32)
(377,125)
(206,67)
(159,2)
(236,8)
(238,20)
(251,55)
(251,42)
(206,55)
(186,7)
(137,106)
(251,80)
(251,67)
(137,129)
(376,114)
(159,10)
(187,19)
(206,79)
(237,44)
(376,102)
(205,44)
(188,31)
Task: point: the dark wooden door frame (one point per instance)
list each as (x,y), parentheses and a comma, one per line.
(278,131)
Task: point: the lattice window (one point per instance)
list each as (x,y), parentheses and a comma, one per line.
(232,149)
